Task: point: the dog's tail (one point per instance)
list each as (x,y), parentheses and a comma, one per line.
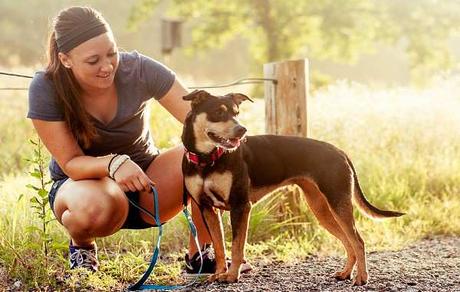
(364,205)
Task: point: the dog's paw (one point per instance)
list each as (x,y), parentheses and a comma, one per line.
(360,279)
(224,278)
(213,278)
(341,276)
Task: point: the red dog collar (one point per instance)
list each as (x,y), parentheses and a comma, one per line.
(208,160)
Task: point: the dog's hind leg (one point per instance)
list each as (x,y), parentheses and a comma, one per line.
(342,210)
(320,208)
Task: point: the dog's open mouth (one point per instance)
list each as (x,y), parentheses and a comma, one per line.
(229,143)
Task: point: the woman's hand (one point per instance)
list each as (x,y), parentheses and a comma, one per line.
(130,177)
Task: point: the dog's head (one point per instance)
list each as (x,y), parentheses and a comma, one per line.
(214,120)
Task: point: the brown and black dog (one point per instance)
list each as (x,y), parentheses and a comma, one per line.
(225,170)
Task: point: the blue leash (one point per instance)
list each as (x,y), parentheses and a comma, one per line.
(140,284)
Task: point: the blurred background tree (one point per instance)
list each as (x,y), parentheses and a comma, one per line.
(242,35)
(426,28)
(320,29)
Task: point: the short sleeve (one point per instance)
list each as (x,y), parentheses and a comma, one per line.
(43,104)
(157,78)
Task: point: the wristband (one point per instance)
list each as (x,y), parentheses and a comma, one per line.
(117,162)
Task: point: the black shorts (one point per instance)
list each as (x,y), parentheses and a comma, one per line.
(134,219)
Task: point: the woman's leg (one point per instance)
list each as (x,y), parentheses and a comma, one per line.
(166,172)
(98,208)
(90,209)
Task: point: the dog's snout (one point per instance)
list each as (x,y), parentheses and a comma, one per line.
(240,131)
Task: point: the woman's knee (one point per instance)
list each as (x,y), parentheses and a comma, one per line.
(94,208)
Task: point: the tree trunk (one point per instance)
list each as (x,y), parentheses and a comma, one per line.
(267,21)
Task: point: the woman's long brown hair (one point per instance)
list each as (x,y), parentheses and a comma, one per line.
(68,91)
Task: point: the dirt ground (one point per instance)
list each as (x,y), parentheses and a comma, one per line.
(428,265)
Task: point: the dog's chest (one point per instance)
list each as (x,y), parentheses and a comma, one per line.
(213,189)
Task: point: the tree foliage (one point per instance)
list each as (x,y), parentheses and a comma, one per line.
(334,30)
(321,29)
(425,27)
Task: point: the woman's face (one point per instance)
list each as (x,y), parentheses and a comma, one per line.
(93,62)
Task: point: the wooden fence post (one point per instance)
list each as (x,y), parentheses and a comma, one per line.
(286,101)
(286,114)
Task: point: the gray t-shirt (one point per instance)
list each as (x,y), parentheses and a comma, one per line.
(138,78)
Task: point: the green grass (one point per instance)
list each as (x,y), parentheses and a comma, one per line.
(15,130)
(405,145)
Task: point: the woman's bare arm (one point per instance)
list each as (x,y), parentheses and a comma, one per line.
(62,145)
(172,101)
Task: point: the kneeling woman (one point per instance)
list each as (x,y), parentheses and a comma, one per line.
(89,109)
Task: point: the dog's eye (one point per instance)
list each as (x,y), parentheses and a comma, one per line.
(220,113)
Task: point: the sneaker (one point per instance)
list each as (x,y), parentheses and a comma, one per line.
(192,265)
(83,257)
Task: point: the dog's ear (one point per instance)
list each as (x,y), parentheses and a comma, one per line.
(197,97)
(238,98)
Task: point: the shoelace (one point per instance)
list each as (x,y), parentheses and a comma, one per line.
(209,252)
(83,258)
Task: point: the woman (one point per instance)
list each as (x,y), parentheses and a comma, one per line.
(88,108)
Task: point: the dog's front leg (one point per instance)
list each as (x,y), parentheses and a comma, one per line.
(214,223)
(239,219)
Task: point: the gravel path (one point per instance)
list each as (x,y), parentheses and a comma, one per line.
(428,265)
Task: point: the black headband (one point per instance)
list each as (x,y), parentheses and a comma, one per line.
(80,34)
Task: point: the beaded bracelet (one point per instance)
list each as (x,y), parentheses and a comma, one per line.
(118,161)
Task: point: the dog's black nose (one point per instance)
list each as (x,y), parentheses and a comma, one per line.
(240,131)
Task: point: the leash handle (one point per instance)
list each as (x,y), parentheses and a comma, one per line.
(139,285)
